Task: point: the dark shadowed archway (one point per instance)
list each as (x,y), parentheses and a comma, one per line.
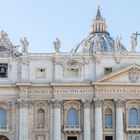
(3,137)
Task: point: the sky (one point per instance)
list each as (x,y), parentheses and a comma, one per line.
(42,21)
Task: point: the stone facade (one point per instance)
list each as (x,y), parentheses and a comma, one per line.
(90,93)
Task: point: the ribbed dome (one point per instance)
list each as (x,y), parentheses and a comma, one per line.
(99,39)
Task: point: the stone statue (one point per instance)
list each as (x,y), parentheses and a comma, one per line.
(99,44)
(133,42)
(57,45)
(25,45)
(117,44)
(87,45)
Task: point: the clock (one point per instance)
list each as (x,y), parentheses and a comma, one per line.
(2,48)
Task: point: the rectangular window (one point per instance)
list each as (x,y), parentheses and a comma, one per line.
(72,72)
(107,70)
(108,119)
(40,73)
(108,137)
(71,138)
(3,70)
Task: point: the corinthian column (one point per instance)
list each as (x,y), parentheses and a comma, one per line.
(57,120)
(119,120)
(98,120)
(87,131)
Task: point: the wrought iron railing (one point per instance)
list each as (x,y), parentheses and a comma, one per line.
(72,128)
(4,128)
(108,126)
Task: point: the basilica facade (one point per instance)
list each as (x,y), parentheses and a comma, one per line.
(90,93)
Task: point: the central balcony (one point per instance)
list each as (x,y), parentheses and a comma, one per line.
(72,128)
(108,126)
(133,128)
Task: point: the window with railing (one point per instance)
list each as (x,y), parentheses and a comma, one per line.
(72,117)
(133,116)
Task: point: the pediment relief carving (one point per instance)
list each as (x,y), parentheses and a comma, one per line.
(129,74)
(71,104)
(108,104)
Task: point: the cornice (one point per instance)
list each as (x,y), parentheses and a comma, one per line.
(70,84)
(7,85)
(114,84)
(51,85)
(23,84)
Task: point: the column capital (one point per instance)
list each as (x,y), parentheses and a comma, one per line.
(56,103)
(98,102)
(119,103)
(22,103)
(86,103)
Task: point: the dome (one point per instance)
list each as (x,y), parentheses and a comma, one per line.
(99,40)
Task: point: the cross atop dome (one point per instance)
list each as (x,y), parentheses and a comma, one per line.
(98,15)
(98,25)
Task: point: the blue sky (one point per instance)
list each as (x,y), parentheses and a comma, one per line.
(44,20)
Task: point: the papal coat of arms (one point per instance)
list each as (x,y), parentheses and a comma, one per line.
(133,74)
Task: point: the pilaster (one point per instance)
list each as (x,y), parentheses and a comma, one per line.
(23,119)
(25,67)
(119,120)
(87,130)
(98,120)
(57,120)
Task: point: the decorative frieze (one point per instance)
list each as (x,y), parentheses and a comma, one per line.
(62,90)
(117,90)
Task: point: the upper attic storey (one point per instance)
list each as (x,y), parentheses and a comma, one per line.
(99,39)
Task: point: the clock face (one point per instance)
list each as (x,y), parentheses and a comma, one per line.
(2,48)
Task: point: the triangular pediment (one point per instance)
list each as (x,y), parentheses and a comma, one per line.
(6,47)
(129,74)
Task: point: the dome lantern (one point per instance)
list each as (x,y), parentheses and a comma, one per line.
(98,24)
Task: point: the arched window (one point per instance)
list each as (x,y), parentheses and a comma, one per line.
(40,118)
(108,117)
(133,116)
(72,116)
(2,137)
(3,117)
